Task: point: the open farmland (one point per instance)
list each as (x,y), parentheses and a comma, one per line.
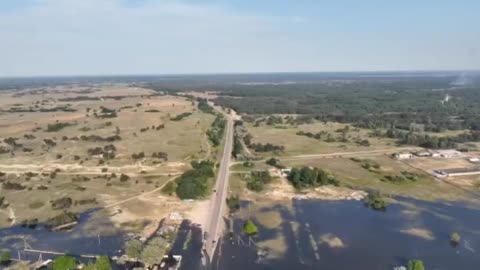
(468,182)
(353,174)
(93,146)
(295,144)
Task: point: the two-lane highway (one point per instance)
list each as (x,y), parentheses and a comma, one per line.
(214,224)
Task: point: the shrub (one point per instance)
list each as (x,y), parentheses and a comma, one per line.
(12,186)
(86,201)
(455,238)
(153,252)
(311,177)
(160,155)
(275,162)
(124,177)
(249,228)
(103,263)
(258,179)
(133,248)
(61,203)
(248,164)
(376,201)
(193,183)
(64,263)
(415,265)
(57,126)
(180,116)
(61,219)
(138,156)
(233,203)
(5,257)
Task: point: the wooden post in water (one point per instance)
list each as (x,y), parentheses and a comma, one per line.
(240,241)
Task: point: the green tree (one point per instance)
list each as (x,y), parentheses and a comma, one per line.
(233,203)
(103,263)
(5,257)
(415,265)
(376,201)
(250,228)
(154,251)
(64,263)
(133,248)
(455,238)
(90,266)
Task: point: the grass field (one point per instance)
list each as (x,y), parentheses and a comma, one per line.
(351,173)
(302,145)
(143,123)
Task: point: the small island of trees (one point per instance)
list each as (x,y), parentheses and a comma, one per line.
(306,177)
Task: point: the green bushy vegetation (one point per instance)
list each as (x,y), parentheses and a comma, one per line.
(249,228)
(415,265)
(258,180)
(215,132)
(61,219)
(194,183)
(204,107)
(5,257)
(181,116)
(133,248)
(275,162)
(248,164)
(64,263)
(455,238)
(427,140)
(402,178)
(367,164)
(306,177)
(233,203)
(267,147)
(57,126)
(376,201)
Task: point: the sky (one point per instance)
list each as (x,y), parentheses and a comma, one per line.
(119,37)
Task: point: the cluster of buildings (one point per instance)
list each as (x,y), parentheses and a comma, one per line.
(443,154)
(447,153)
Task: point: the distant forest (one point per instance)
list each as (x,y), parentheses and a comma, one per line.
(437,100)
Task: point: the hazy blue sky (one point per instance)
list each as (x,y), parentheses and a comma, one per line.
(88,37)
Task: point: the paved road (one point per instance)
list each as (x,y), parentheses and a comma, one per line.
(214,224)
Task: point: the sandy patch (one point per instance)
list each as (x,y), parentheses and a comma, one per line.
(276,248)
(283,190)
(269,219)
(419,232)
(331,240)
(198,213)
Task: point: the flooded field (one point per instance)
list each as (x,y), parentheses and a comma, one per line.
(347,235)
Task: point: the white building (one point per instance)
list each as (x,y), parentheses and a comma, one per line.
(400,156)
(447,153)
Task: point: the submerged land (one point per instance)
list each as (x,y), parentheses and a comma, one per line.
(144,154)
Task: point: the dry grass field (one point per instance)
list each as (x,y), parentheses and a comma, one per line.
(353,175)
(56,142)
(469,182)
(302,145)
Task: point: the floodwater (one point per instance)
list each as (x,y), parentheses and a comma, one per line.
(368,239)
(94,235)
(84,238)
(371,239)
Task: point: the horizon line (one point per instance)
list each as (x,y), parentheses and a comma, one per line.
(234,73)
